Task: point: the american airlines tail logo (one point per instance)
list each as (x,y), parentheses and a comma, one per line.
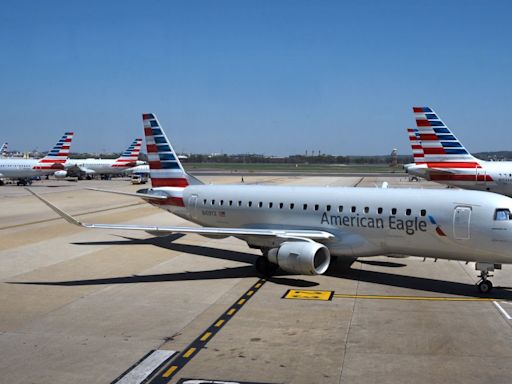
(409,226)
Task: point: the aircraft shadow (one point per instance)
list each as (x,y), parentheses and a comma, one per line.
(417,283)
(166,242)
(341,268)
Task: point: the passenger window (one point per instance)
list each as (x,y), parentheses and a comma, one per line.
(340,208)
(393,211)
(260,204)
(281,205)
(249,203)
(305,206)
(423,212)
(353,209)
(316,207)
(221,202)
(239,203)
(408,212)
(292,205)
(270,205)
(204,202)
(230,203)
(379,210)
(328,208)
(366,209)
(213,202)
(502,214)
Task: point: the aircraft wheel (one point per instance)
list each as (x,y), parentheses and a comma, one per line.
(265,267)
(485,286)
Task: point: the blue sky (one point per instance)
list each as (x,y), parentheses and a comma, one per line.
(272,77)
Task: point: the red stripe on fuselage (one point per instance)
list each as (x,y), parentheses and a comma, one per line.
(444,177)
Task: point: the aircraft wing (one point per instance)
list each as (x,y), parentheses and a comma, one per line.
(211,231)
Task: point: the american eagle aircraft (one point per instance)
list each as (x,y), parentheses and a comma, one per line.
(52,163)
(128,159)
(439,156)
(299,228)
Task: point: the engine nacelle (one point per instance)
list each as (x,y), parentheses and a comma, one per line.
(60,174)
(301,257)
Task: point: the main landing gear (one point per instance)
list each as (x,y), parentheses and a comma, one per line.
(264,266)
(484,285)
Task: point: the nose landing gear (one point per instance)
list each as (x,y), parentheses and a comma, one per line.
(485,285)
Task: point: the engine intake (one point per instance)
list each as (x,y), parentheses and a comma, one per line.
(60,174)
(301,257)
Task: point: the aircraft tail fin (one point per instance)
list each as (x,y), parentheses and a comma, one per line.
(58,155)
(3,149)
(438,143)
(417,149)
(164,166)
(130,156)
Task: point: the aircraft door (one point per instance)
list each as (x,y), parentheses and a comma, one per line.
(192,206)
(461,223)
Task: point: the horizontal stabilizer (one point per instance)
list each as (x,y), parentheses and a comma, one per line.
(135,194)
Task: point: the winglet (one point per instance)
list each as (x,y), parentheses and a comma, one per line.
(64,215)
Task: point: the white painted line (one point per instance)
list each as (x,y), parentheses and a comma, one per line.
(146,367)
(505,313)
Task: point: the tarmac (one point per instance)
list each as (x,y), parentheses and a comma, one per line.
(103,306)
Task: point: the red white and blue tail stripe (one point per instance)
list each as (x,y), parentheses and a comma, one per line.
(417,149)
(129,157)
(58,155)
(165,168)
(3,149)
(444,157)
(439,144)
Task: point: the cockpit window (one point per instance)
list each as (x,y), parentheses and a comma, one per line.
(502,214)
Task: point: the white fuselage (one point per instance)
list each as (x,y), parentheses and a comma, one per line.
(22,168)
(99,166)
(492,176)
(451,224)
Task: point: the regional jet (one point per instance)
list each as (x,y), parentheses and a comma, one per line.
(299,228)
(89,167)
(439,156)
(23,170)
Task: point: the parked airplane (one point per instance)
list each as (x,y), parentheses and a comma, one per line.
(439,156)
(3,149)
(89,167)
(299,228)
(23,170)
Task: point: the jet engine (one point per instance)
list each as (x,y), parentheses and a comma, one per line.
(60,174)
(301,257)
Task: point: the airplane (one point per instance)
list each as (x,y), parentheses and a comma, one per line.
(127,160)
(439,156)
(299,228)
(3,149)
(24,169)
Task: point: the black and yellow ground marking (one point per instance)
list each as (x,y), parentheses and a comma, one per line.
(305,294)
(176,364)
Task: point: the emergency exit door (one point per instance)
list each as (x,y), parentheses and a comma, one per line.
(461,223)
